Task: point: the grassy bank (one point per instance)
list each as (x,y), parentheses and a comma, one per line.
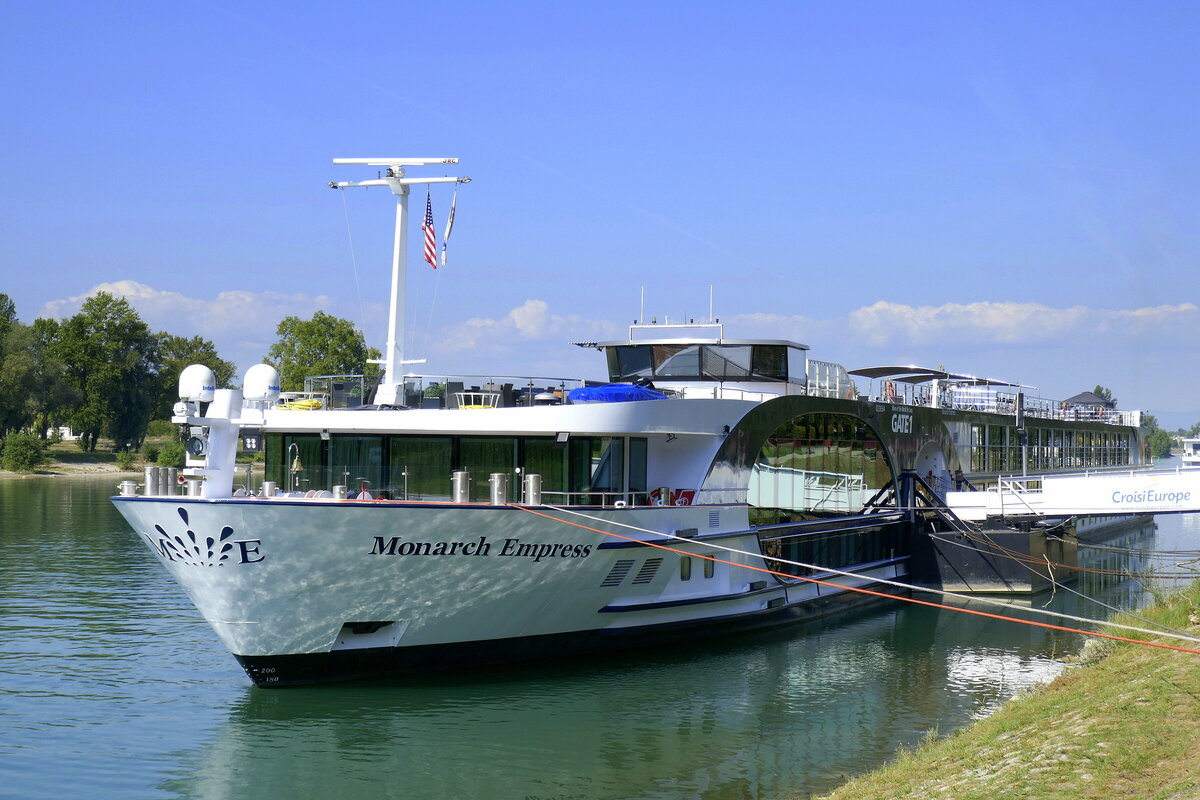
(65,458)
(1125,724)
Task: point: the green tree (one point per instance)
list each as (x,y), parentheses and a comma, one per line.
(53,398)
(1160,443)
(323,345)
(31,387)
(111,360)
(171,455)
(1106,393)
(174,354)
(20,374)
(11,384)
(22,452)
(8,314)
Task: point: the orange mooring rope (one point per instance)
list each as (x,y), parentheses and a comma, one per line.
(866,591)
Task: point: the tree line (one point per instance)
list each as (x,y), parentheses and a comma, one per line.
(106,374)
(1158,441)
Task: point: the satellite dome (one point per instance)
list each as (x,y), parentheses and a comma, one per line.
(197,383)
(261,383)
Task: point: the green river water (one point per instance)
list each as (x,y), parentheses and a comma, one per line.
(111,686)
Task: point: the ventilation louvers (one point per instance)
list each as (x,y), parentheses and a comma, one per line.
(646,573)
(618,572)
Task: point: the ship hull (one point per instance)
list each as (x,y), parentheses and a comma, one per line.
(305,591)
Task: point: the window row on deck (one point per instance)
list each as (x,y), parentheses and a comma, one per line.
(998,448)
(580,470)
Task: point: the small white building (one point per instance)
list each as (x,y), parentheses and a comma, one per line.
(1191,452)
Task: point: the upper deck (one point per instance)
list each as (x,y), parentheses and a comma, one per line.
(698,362)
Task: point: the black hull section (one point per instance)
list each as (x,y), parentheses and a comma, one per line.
(377,662)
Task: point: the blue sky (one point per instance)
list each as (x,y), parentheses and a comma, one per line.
(1003,189)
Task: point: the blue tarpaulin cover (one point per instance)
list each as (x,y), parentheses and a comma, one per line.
(613,393)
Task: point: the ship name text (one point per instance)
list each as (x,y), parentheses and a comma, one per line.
(395,546)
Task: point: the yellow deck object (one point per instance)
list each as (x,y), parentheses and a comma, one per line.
(309,404)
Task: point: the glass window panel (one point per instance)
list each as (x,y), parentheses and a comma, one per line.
(427,461)
(483,455)
(726,362)
(770,362)
(547,458)
(273,469)
(818,464)
(680,361)
(355,460)
(302,465)
(628,363)
(580,470)
(637,467)
(608,464)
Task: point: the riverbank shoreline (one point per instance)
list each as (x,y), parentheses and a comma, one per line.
(60,469)
(1123,723)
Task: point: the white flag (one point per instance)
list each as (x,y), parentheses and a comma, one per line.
(449,226)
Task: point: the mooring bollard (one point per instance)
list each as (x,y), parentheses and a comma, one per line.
(533,490)
(498,486)
(460,483)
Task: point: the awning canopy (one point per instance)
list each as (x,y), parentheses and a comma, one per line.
(1090,399)
(911,374)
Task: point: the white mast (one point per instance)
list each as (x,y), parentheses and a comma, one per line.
(392,383)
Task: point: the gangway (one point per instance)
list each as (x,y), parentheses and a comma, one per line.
(1083,494)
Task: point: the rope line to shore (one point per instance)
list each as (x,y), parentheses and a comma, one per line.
(1017,555)
(870,592)
(1028,564)
(899,584)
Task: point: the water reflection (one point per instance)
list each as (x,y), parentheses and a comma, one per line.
(767,717)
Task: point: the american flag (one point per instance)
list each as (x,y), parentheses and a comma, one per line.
(427,226)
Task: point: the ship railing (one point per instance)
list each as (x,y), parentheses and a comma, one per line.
(903,394)
(596,498)
(992,401)
(487,391)
(337,391)
(827,379)
(297,477)
(436,391)
(722,392)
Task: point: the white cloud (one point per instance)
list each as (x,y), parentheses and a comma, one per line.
(230,313)
(1138,352)
(982,323)
(529,322)
(241,323)
(531,318)
(1009,323)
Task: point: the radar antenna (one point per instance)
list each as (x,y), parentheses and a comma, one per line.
(391,390)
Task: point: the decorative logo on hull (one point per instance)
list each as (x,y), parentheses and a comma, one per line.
(205,551)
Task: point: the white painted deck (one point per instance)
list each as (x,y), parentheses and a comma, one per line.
(1083,494)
